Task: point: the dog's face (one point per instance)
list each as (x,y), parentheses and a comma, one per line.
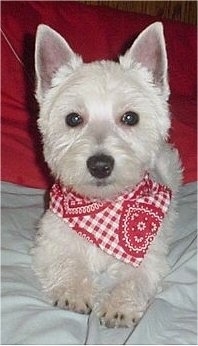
(102,123)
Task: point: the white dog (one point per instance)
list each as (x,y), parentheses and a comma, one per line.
(102,244)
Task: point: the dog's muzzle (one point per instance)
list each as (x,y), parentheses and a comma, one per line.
(100,166)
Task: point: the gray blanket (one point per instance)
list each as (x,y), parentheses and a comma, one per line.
(27,318)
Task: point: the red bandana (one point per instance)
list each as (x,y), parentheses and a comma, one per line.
(123,228)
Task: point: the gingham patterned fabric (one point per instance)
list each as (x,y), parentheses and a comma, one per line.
(124,227)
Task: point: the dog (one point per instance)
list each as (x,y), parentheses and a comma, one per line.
(102,245)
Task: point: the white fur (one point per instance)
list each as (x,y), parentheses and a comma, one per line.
(74,273)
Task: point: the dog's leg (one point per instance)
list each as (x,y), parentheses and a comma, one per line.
(73,290)
(125,304)
(59,260)
(123,307)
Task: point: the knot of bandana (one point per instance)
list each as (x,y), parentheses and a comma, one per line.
(124,227)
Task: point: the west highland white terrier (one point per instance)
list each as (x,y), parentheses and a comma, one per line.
(102,245)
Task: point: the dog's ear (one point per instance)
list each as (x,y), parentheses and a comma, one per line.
(149,50)
(51,53)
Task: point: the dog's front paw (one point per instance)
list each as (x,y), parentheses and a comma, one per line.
(77,296)
(119,316)
(75,302)
(122,307)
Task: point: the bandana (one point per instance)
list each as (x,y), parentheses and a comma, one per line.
(125,227)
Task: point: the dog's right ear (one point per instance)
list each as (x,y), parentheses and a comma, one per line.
(51,53)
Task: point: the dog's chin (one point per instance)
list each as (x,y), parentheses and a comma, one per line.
(101,189)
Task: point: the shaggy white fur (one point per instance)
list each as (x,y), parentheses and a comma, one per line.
(75,274)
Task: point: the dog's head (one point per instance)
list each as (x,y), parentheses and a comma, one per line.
(103,123)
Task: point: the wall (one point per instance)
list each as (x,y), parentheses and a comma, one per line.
(184,11)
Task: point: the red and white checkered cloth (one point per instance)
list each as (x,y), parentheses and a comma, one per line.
(124,227)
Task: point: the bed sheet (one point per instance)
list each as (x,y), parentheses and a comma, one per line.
(27,318)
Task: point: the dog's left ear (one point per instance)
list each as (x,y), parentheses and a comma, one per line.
(150,51)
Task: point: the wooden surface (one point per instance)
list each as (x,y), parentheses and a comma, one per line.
(184,11)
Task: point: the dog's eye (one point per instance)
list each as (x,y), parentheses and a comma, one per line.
(73,119)
(130,118)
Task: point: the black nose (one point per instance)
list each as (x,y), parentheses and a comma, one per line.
(100,165)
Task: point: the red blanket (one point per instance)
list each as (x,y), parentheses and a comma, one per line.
(95,33)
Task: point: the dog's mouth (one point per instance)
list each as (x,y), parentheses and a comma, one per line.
(101,188)
(102,183)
